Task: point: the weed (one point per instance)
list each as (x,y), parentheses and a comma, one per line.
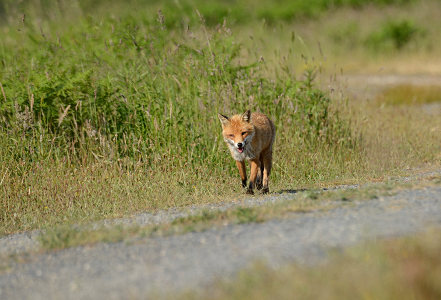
(246,215)
(395,34)
(64,236)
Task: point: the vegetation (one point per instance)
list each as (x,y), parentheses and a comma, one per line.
(396,34)
(405,268)
(236,11)
(109,109)
(64,236)
(410,94)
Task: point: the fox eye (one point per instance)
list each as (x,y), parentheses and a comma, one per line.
(231,136)
(243,133)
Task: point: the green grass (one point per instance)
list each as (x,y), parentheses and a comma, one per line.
(367,39)
(113,116)
(395,34)
(65,236)
(61,237)
(214,12)
(404,268)
(107,109)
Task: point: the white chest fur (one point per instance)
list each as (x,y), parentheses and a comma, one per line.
(248,152)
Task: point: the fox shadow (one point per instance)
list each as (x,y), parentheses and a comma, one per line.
(295,191)
(291,191)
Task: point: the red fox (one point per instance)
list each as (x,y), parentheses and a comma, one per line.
(251,136)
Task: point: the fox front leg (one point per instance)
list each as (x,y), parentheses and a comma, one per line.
(243,172)
(253,176)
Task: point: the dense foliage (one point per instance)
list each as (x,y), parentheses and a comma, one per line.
(131,87)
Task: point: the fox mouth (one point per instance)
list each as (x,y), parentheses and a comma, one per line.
(240,149)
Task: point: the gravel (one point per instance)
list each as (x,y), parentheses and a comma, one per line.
(19,243)
(171,264)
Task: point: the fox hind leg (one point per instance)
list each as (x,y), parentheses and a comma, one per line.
(259,180)
(267,165)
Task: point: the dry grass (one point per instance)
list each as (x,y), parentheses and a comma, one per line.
(394,141)
(36,194)
(398,138)
(408,94)
(65,236)
(338,41)
(405,268)
(48,195)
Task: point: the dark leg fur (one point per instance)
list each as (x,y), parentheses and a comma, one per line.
(244,183)
(242,172)
(255,167)
(259,180)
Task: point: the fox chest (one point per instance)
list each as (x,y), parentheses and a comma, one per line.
(247,154)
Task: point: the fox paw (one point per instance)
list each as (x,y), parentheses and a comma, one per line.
(265,190)
(250,192)
(259,183)
(244,183)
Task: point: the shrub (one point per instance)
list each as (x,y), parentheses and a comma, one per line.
(394,34)
(139,90)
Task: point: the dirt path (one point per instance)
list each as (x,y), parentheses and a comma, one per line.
(115,271)
(366,86)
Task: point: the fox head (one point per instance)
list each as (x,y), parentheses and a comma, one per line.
(237,131)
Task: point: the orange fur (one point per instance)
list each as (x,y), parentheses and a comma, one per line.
(250,137)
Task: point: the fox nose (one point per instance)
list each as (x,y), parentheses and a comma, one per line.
(239,145)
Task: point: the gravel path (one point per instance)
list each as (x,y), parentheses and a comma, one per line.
(28,241)
(115,271)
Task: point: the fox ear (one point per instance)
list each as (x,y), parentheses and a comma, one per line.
(246,116)
(224,119)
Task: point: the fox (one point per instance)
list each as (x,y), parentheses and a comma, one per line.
(250,136)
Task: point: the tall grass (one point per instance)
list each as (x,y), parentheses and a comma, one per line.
(132,88)
(134,99)
(109,109)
